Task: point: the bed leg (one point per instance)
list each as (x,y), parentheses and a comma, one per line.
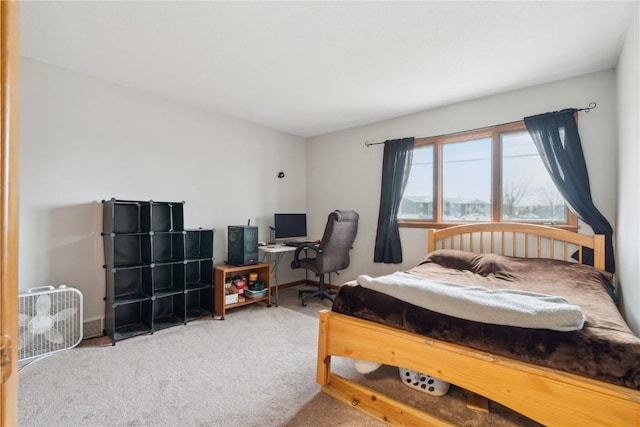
(324,360)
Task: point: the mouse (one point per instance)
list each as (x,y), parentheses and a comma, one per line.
(262,244)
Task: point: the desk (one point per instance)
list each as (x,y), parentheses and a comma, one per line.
(275,253)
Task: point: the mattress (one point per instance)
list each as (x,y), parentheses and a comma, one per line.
(604,349)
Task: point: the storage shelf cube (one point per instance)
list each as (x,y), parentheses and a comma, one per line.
(132,319)
(198,303)
(163,247)
(198,274)
(124,250)
(128,285)
(167,279)
(162,216)
(120,216)
(164,312)
(198,244)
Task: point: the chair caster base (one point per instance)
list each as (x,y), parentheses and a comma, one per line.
(321,294)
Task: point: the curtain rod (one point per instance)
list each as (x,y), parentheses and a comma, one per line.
(592,105)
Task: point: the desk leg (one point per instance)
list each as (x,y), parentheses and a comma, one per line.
(278,257)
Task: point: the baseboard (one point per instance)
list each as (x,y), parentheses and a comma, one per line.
(92,328)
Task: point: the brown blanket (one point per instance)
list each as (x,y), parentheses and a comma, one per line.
(604,349)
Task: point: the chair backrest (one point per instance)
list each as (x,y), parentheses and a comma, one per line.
(337,240)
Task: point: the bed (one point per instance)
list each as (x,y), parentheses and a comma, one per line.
(540,387)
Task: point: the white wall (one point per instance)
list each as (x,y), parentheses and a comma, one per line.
(344,174)
(628,255)
(83,140)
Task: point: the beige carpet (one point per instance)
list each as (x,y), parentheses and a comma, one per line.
(255,368)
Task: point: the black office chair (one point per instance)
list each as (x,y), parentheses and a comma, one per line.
(331,255)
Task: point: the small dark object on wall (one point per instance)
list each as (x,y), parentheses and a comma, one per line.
(280,174)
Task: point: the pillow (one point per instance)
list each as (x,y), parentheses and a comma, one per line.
(451,258)
(483,264)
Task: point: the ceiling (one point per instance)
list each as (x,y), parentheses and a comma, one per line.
(309,68)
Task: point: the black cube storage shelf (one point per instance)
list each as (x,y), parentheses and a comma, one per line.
(164,247)
(127,285)
(198,303)
(130,320)
(167,313)
(136,249)
(162,216)
(120,217)
(198,274)
(198,244)
(158,274)
(167,280)
(199,288)
(124,250)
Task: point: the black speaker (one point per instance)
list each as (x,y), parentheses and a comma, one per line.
(242,245)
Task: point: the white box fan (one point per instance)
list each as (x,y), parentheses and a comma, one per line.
(49,320)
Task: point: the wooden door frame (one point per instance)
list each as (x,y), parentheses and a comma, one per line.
(9,57)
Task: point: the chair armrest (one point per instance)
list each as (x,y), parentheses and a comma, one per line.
(306,246)
(313,246)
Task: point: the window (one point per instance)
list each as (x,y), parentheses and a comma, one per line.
(528,193)
(417,201)
(466,199)
(492,174)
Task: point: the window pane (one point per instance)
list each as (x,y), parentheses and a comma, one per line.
(528,193)
(417,201)
(466,181)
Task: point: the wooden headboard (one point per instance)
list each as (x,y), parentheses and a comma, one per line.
(519,240)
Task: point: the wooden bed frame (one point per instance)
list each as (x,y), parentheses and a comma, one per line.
(548,396)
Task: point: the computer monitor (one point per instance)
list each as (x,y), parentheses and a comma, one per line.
(288,225)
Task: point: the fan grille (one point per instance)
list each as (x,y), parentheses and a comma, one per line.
(52,325)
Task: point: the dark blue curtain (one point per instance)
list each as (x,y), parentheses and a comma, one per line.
(396,165)
(558,142)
